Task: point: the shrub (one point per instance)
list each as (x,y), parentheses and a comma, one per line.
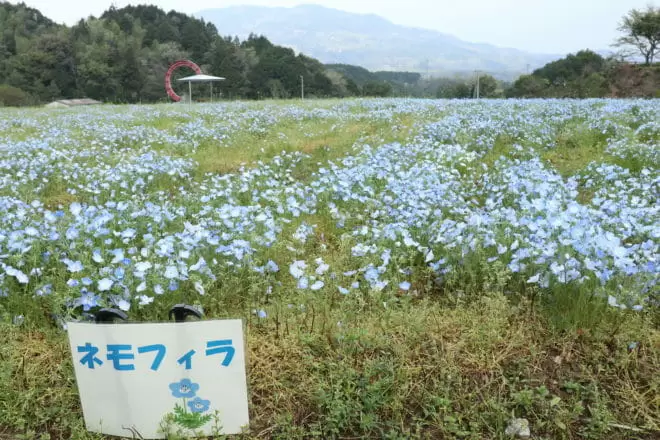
(11,96)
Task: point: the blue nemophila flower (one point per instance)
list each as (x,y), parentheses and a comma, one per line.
(143,266)
(96,256)
(198,405)
(272,267)
(45,290)
(185,389)
(72,233)
(87,300)
(128,233)
(105,284)
(371,274)
(318,285)
(171,272)
(145,300)
(73,266)
(262,314)
(121,303)
(303,283)
(297,269)
(200,265)
(118,256)
(75,208)
(322,267)
(404,286)
(19,275)
(119,273)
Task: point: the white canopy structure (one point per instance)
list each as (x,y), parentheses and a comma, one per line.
(200,79)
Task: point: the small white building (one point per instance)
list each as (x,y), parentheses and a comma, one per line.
(68,103)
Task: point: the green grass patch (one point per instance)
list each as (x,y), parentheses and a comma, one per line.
(409,369)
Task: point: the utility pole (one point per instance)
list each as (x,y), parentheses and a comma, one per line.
(302,87)
(477,72)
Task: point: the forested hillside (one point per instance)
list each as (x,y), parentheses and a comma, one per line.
(123,56)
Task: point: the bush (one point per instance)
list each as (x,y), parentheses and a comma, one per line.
(11,96)
(377,89)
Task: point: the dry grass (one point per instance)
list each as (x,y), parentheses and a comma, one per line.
(415,367)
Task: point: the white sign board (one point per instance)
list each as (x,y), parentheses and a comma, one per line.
(146,380)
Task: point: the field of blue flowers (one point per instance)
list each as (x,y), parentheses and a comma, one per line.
(553,203)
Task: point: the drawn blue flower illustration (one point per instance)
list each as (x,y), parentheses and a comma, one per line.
(198,405)
(185,389)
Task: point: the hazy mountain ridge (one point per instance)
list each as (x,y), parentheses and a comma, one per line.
(370,41)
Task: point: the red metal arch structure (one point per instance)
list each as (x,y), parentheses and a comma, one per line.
(168,76)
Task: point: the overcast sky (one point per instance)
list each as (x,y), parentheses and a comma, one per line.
(549,26)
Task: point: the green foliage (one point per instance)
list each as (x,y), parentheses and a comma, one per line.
(488,87)
(570,68)
(587,75)
(123,56)
(377,89)
(12,96)
(357,74)
(189,420)
(452,89)
(529,86)
(357,78)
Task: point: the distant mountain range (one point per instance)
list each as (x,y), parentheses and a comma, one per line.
(370,41)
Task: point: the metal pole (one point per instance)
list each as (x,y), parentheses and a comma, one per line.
(302,87)
(478,84)
(211,91)
(190,92)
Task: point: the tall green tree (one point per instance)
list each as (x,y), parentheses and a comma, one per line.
(641,32)
(450,88)
(529,86)
(488,87)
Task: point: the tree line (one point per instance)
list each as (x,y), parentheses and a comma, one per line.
(123,55)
